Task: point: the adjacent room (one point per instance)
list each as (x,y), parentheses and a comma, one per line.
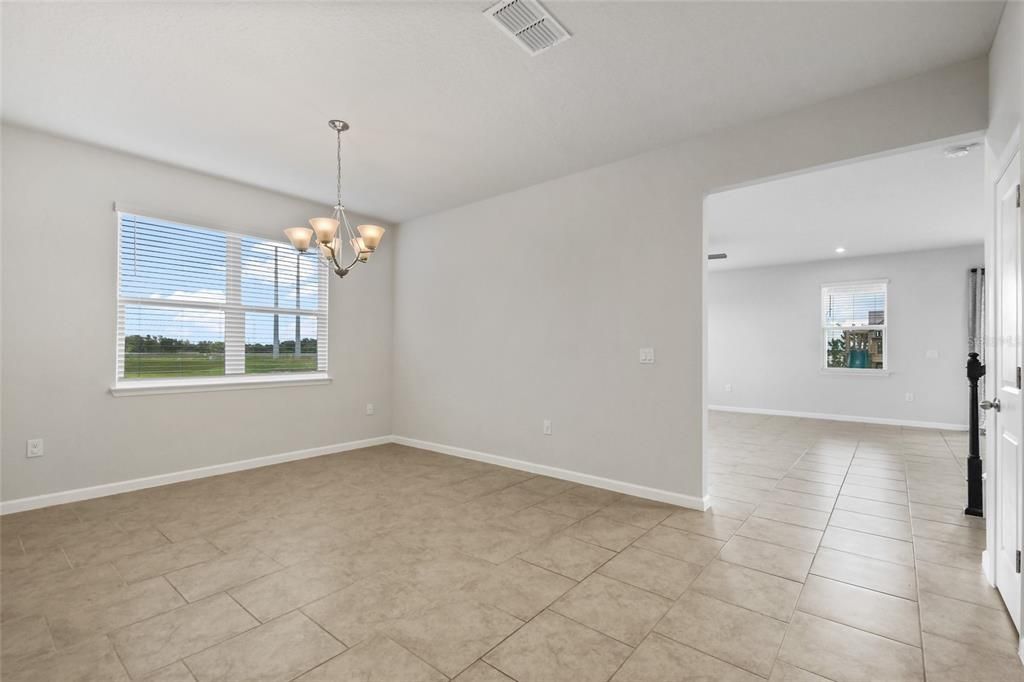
(529,342)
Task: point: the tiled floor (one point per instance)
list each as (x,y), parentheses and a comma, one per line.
(833,551)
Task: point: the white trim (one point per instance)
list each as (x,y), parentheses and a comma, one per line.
(232,382)
(841,418)
(850,371)
(78,494)
(657,494)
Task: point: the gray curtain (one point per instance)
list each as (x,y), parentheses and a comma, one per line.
(976,324)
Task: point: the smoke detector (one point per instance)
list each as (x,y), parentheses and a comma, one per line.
(529,24)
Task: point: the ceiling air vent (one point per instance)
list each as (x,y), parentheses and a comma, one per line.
(528,24)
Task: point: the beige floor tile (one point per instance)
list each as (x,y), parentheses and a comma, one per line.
(553,647)
(945,515)
(451,636)
(968,586)
(482,672)
(38,563)
(733,634)
(536,522)
(888,510)
(796,516)
(28,595)
(732,508)
(767,557)
(278,650)
(216,575)
(288,589)
(165,558)
(519,588)
(378,658)
(659,658)
(703,523)
(361,609)
(612,607)
(968,623)
(78,619)
(161,640)
(816,476)
(23,637)
(93,659)
(567,556)
(604,532)
(948,554)
(767,594)
(738,493)
(865,544)
(947,532)
(444,572)
(865,609)
(175,672)
(949,661)
(747,481)
(638,512)
(785,534)
(810,487)
(876,494)
(571,505)
(845,654)
(798,499)
(866,523)
(695,549)
(873,574)
(651,571)
(108,547)
(784,672)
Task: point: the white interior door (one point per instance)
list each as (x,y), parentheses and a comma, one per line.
(1006,386)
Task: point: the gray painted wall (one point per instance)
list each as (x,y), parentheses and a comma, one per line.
(59,317)
(765,340)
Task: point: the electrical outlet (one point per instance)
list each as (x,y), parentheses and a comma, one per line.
(34,447)
(369,408)
(646,356)
(728,388)
(909,397)
(547,427)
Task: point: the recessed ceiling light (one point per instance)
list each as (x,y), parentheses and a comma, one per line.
(840,249)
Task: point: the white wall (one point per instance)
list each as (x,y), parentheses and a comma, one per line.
(59,316)
(765,340)
(533,304)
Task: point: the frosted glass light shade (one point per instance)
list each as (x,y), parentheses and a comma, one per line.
(324,228)
(299,237)
(371,235)
(326,252)
(360,248)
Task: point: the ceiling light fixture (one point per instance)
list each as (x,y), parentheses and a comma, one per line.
(960,150)
(324,232)
(840,249)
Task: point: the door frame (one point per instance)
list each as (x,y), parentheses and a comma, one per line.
(998,162)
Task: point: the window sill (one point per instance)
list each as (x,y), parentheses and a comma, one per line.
(233,383)
(856,372)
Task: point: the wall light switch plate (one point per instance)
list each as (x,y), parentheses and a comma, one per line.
(646,356)
(728,388)
(547,427)
(909,397)
(369,408)
(34,447)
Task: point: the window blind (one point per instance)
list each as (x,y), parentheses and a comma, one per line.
(854,324)
(196,302)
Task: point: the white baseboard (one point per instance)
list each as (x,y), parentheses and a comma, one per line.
(78,494)
(657,494)
(841,418)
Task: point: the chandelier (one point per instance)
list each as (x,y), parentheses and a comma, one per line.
(324,232)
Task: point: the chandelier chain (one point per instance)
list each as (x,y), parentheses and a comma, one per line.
(339,169)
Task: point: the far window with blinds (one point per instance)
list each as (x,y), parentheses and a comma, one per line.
(196,303)
(854,319)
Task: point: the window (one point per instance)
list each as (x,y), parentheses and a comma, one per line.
(853,320)
(196,305)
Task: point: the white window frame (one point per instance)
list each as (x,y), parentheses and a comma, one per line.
(823,329)
(234,376)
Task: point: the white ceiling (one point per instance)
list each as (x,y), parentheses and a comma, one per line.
(444,108)
(901,202)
